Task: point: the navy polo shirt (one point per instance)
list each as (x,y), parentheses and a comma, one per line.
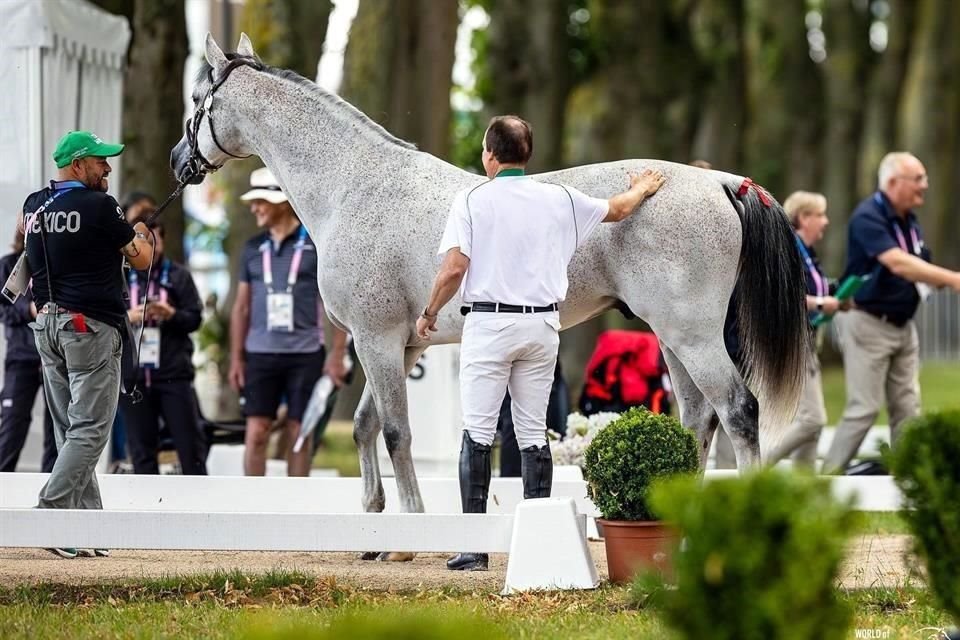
(870,233)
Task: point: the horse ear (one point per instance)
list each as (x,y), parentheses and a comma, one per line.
(245,47)
(214,55)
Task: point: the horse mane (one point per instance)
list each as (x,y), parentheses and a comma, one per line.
(332,100)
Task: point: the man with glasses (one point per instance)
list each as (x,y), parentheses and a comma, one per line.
(881,352)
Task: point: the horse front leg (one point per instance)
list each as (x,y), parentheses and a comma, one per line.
(366,428)
(386,368)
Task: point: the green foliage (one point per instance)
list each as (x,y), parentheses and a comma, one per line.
(213,340)
(926,466)
(760,558)
(467,129)
(425,624)
(627,456)
(584,41)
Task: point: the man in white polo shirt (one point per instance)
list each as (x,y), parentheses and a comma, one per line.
(508,242)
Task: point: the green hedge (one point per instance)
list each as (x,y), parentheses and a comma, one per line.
(926,465)
(629,454)
(759,560)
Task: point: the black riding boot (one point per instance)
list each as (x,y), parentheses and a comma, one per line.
(474,486)
(536,467)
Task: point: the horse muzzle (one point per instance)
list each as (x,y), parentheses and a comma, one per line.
(185,168)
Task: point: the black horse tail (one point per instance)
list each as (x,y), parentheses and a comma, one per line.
(769,308)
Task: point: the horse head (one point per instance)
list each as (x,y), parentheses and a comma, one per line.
(211,137)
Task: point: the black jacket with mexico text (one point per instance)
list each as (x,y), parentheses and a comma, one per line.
(85,230)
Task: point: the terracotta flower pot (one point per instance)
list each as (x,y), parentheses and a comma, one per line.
(633,547)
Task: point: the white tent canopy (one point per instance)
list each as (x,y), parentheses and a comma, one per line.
(61,68)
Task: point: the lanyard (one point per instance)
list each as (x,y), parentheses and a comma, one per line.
(818,282)
(902,241)
(265,254)
(134,280)
(915,241)
(59,188)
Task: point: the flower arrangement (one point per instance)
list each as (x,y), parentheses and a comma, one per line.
(581,429)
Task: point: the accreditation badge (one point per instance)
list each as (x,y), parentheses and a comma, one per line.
(280,311)
(150,348)
(924,290)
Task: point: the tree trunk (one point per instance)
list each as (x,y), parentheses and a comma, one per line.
(721,44)
(153,107)
(786,100)
(287,34)
(929,127)
(398,68)
(643,99)
(848,65)
(886,86)
(530,74)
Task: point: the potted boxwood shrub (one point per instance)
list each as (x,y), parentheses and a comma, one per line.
(925,468)
(620,466)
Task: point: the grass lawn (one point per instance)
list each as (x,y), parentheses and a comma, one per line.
(292,605)
(337,449)
(939,389)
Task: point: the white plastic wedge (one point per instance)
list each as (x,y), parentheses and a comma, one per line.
(549,548)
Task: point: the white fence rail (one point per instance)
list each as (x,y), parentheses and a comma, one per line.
(255,531)
(545,539)
(229,494)
(211,494)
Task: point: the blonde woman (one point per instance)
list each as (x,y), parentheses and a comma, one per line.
(807,212)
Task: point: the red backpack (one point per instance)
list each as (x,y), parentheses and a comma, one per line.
(625,370)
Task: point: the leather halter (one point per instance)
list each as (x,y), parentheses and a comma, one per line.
(197,164)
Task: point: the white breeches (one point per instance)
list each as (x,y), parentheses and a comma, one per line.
(508,351)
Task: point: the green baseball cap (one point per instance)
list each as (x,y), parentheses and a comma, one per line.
(82,144)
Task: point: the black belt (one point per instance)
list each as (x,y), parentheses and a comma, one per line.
(897,321)
(499,307)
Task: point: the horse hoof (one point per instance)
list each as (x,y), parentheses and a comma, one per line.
(396,556)
(370,555)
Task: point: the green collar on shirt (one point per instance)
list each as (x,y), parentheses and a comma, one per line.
(507,173)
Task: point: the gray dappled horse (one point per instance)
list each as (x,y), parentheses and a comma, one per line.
(376,207)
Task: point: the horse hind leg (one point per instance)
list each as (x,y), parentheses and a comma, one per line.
(711,370)
(696,413)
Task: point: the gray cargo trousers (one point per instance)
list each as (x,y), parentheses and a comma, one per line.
(81,381)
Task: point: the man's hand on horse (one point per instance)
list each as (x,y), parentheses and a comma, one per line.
(425,325)
(650,180)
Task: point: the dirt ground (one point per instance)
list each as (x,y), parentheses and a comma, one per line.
(872,561)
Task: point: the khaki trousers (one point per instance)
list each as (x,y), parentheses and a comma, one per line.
(81,381)
(801,438)
(880,361)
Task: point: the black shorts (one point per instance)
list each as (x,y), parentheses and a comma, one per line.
(275,378)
